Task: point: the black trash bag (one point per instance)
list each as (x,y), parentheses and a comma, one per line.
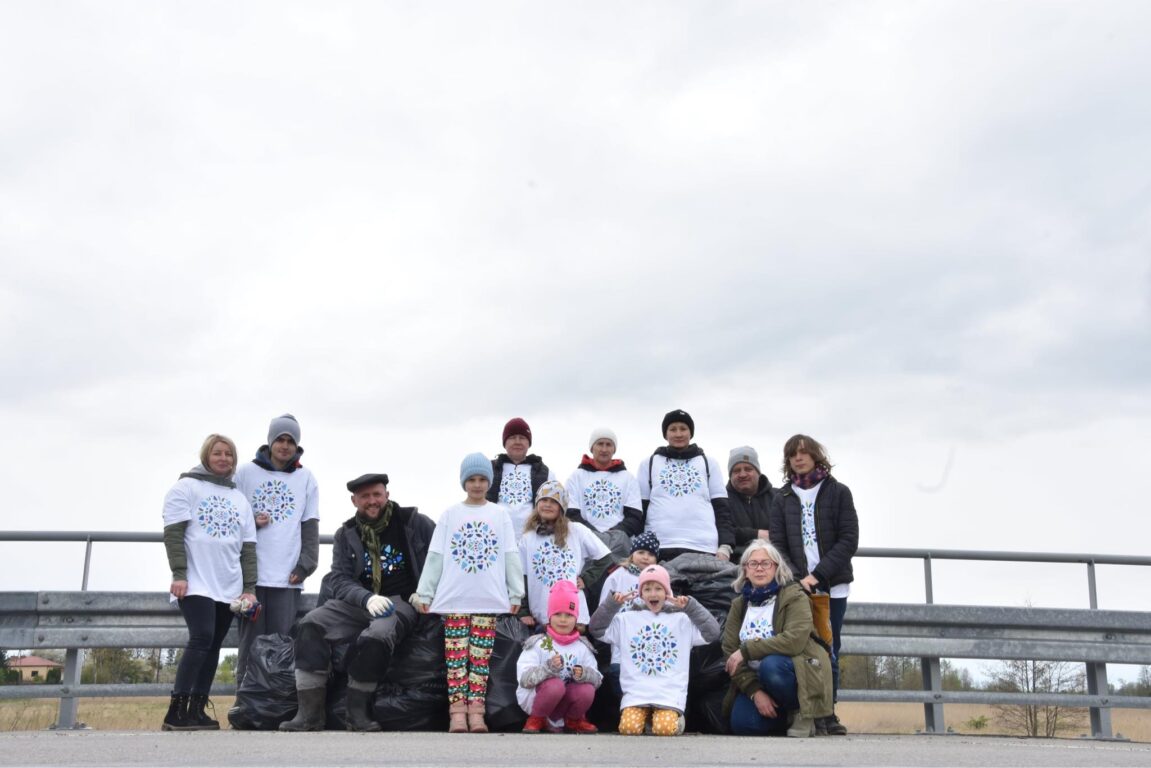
(503,710)
(267,697)
(715,595)
(419,661)
(604,710)
(411,709)
(708,676)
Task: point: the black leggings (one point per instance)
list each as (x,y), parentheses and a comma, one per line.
(208,623)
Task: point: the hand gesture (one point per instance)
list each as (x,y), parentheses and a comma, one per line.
(624,597)
(679,601)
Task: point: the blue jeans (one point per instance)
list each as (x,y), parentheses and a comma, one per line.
(838,611)
(777,679)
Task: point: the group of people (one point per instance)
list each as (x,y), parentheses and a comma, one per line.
(243,540)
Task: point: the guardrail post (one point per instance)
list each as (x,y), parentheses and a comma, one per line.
(933,681)
(73,662)
(1096,671)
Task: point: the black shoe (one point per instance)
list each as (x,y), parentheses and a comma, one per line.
(198,719)
(177,717)
(829,726)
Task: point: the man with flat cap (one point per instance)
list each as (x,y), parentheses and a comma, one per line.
(377,557)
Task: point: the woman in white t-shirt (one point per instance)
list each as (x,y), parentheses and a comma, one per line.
(684,496)
(210,538)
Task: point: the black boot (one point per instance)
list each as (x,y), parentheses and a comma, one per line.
(829,726)
(197,718)
(310,715)
(357,716)
(177,717)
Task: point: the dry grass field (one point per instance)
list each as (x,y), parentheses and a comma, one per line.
(145,714)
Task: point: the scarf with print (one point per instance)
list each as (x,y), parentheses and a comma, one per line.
(810,479)
(759,595)
(370,532)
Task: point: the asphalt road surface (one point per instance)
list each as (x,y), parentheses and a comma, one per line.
(333,748)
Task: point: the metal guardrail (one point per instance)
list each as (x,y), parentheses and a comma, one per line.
(78,620)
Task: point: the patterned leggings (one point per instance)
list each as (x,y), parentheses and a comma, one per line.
(664,722)
(468,638)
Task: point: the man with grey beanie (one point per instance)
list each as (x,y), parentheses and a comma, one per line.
(749,495)
(285,500)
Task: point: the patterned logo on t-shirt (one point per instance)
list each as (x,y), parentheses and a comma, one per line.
(475,547)
(680,478)
(808,524)
(515,487)
(218,516)
(551,563)
(275,499)
(756,629)
(391,562)
(602,500)
(654,649)
(569,665)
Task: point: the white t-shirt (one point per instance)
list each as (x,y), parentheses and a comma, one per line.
(758,624)
(516,492)
(806,498)
(680,511)
(474,542)
(601,496)
(545,564)
(623,581)
(219,522)
(576,654)
(655,656)
(288,499)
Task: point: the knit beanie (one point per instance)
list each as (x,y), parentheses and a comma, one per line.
(744,454)
(602,433)
(553,489)
(678,416)
(475,464)
(284,425)
(517,426)
(563,598)
(646,541)
(658,574)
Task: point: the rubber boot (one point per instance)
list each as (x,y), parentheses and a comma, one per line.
(458,714)
(177,717)
(197,717)
(802,728)
(310,716)
(357,716)
(476,722)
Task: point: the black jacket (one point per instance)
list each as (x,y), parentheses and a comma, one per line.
(343,581)
(836,530)
(749,514)
(539,474)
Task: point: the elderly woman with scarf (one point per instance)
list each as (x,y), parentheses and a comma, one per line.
(210,538)
(780,672)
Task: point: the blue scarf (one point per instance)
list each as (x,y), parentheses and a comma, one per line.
(759,595)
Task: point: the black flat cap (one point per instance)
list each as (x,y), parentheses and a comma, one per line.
(362,480)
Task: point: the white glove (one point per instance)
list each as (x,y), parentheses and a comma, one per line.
(378,605)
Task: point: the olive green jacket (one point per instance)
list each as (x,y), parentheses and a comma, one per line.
(795,637)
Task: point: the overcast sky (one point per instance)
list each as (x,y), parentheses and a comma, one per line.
(920,232)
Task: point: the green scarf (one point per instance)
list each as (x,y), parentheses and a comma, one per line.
(370,532)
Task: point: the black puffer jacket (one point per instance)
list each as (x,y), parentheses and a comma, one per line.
(836,530)
(749,514)
(343,581)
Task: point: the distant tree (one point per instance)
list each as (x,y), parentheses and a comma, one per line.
(226,672)
(7,674)
(1038,677)
(114,665)
(1140,686)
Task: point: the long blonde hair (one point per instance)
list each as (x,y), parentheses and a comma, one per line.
(561,523)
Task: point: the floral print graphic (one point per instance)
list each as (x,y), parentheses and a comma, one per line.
(475,547)
(679,478)
(515,487)
(653,649)
(807,524)
(551,563)
(758,629)
(392,561)
(218,516)
(602,500)
(275,499)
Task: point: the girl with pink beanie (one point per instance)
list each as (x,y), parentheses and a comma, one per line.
(655,637)
(557,670)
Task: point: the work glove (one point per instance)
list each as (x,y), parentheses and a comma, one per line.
(378,606)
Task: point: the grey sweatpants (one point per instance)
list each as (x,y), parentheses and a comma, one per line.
(336,622)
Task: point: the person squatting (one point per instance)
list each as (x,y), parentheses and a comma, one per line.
(242,541)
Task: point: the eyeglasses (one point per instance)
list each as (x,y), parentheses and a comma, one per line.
(756,565)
